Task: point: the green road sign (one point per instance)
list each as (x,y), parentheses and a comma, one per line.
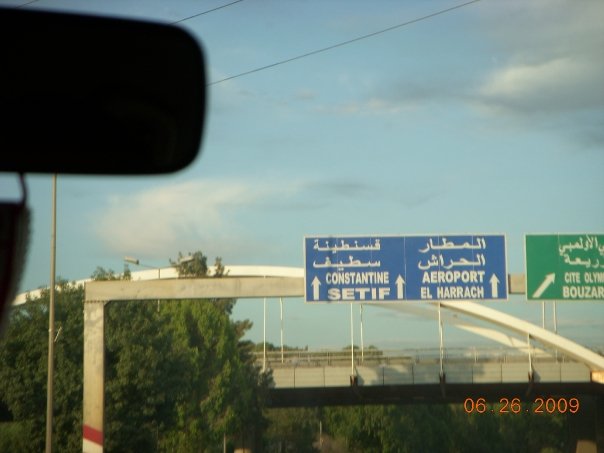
(564,266)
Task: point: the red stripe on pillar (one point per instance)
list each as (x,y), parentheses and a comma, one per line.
(93,435)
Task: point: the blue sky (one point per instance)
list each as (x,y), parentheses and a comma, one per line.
(486,119)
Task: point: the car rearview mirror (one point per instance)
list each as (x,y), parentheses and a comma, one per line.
(98,95)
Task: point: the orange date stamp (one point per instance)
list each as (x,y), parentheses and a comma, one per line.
(539,405)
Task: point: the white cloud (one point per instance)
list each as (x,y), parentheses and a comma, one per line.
(227,218)
(558,85)
(552,59)
(188,216)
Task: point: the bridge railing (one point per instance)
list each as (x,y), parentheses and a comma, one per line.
(311,358)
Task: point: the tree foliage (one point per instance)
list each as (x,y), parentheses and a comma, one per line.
(292,430)
(411,428)
(178,377)
(100,273)
(23,375)
(195,265)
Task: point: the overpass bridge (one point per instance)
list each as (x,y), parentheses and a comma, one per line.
(324,378)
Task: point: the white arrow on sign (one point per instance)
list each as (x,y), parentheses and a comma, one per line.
(316,283)
(400,287)
(549,279)
(494,281)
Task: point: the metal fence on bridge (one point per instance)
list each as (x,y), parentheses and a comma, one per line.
(373,367)
(376,357)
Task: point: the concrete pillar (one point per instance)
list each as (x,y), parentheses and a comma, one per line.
(94,377)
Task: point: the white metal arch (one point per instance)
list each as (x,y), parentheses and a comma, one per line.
(428,310)
(578,352)
(594,361)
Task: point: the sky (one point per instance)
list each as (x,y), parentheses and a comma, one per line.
(485,119)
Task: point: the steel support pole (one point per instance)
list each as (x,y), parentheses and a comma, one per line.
(530,358)
(362,339)
(320,434)
(441,342)
(51,319)
(281,310)
(351,342)
(159,278)
(264,339)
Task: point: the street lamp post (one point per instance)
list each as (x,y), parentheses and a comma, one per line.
(135,261)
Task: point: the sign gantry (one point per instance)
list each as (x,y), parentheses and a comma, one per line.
(385,269)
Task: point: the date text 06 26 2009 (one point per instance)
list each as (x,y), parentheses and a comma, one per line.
(539,405)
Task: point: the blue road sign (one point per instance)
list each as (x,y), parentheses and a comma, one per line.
(374,269)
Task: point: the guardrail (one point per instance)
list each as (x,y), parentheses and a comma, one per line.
(302,358)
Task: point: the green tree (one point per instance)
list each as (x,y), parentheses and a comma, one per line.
(101,273)
(195,265)
(443,428)
(179,378)
(23,371)
(138,375)
(292,430)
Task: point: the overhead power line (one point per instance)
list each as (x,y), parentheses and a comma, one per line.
(344,43)
(206,12)
(172,23)
(25,4)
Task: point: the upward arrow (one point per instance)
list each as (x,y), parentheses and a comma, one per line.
(400,287)
(494,281)
(316,283)
(549,279)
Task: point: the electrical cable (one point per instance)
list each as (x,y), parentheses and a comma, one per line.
(205,12)
(25,4)
(343,43)
(171,23)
